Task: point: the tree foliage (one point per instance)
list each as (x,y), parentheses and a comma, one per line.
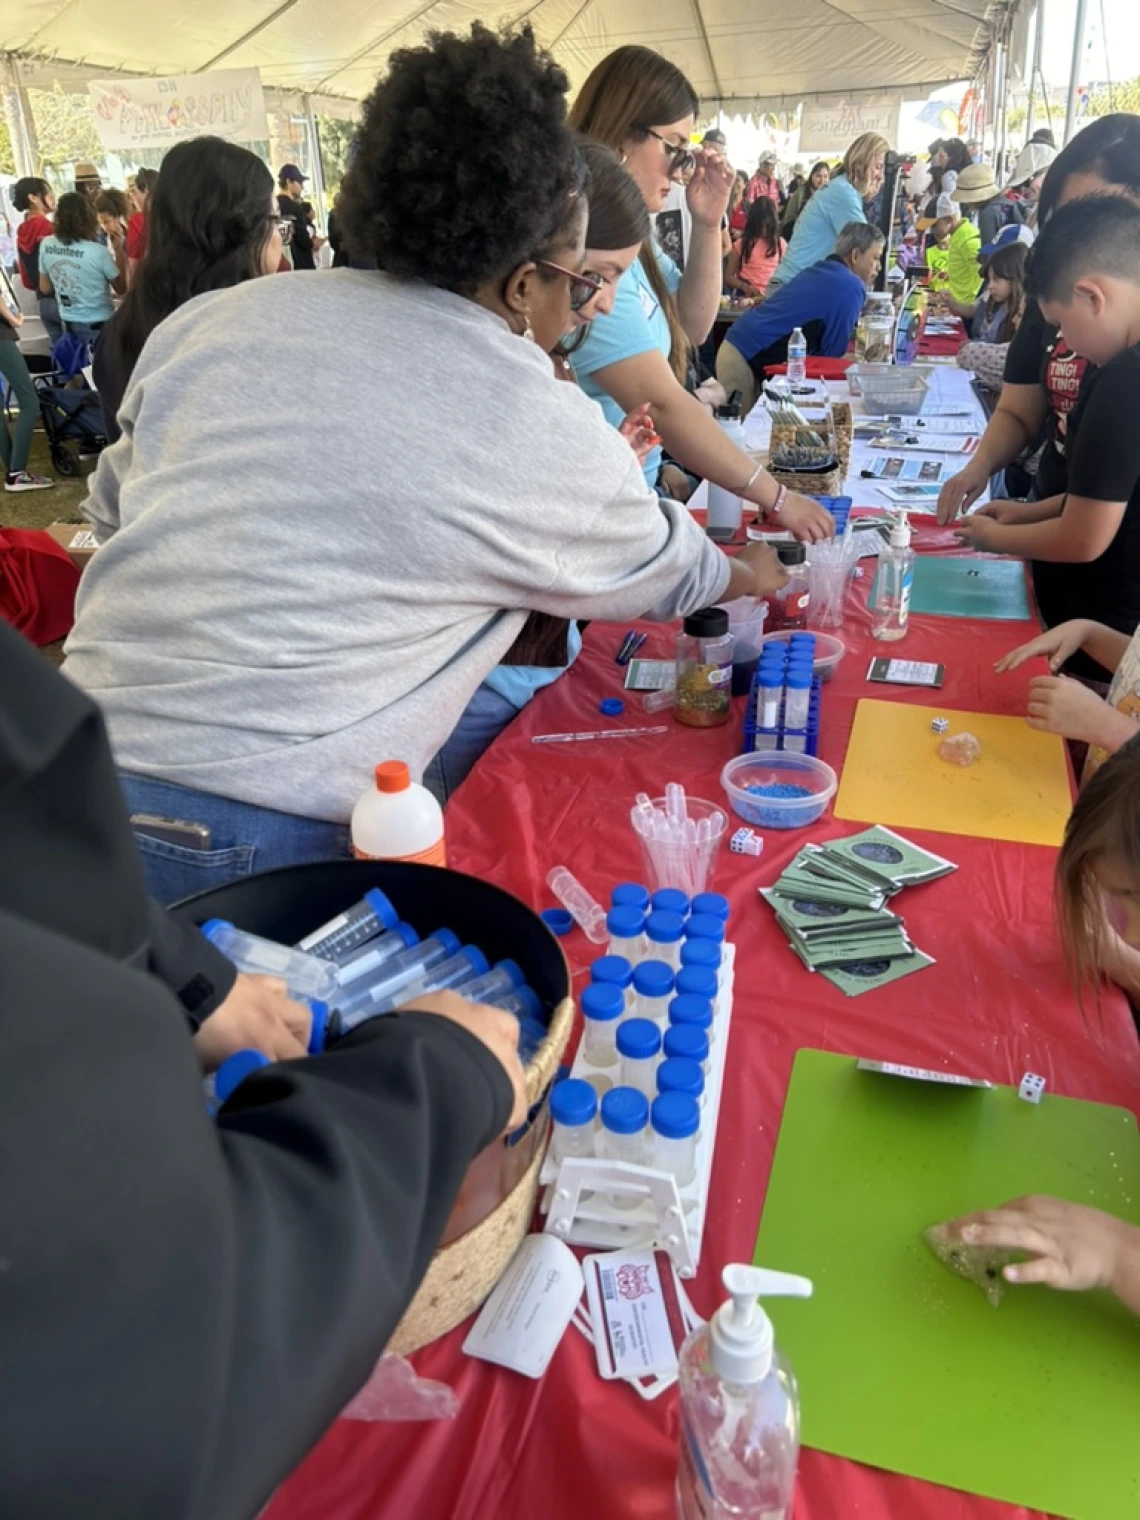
(65,128)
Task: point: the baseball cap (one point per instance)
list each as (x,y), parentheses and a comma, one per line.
(976,183)
(767,157)
(1033,159)
(1016,232)
(290,171)
(716,136)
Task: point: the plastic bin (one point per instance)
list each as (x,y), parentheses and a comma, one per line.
(829,650)
(779,767)
(890,389)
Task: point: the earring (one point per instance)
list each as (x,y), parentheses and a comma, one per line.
(528,330)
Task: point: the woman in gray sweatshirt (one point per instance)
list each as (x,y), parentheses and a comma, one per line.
(336,500)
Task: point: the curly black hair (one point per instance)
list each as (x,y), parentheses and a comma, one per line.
(464,164)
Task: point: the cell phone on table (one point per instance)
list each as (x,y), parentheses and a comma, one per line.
(191,836)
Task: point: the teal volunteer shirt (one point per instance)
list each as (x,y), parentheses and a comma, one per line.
(80,274)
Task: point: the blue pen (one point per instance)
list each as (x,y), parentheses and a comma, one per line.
(623,653)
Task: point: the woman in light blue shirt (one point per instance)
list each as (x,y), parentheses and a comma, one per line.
(834,207)
(79,270)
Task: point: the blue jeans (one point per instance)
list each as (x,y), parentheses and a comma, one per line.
(50,317)
(483,720)
(243,838)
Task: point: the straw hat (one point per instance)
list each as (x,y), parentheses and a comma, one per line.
(976,184)
(1033,160)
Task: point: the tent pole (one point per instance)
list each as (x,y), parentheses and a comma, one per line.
(17,114)
(1035,70)
(318,168)
(1075,71)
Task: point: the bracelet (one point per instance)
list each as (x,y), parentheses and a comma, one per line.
(751,481)
(774,509)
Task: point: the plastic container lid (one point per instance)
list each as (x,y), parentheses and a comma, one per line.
(448,940)
(234,1070)
(675,1116)
(681,1074)
(639,1039)
(708,623)
(653,979)
(791,554)
(705,926)
(573,1102)
(692,1009)
(393,776)
(613,707)
(407,934)
(381,905)
(211,929)
(688,1041)
(630,894)
(625,1111)
(532,1004)
(701,952)
(602,1001)
(664,928)
(670,900)
(612,968)
(558,920)
(476,959)
(625,923)
(513,970)
(697,980)
(799,680)
(711,902)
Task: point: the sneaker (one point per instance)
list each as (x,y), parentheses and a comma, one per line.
(27,482)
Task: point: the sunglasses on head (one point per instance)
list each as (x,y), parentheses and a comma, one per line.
(680,158)
(583,287)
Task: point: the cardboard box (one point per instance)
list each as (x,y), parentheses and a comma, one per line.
(77,538)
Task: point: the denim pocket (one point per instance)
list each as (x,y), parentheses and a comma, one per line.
(173,871)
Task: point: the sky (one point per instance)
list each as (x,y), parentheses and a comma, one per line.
(1120,25)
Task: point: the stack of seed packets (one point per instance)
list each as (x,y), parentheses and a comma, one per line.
(832,904)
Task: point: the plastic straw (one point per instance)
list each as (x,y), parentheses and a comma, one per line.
(597,733)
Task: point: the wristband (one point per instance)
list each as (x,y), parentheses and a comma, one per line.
(751,481)
(781,497)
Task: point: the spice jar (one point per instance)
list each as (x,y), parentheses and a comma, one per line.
(788,607)
(704,669)
(875,330)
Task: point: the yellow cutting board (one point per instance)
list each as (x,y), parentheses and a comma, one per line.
(1018,788)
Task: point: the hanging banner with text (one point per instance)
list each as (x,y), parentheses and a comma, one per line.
(837,123)
(156,113)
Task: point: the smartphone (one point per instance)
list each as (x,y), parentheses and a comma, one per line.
(191,836)
(905,672)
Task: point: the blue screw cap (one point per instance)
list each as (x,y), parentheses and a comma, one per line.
(558,920)
(602,1000)
(625,1111)
(573,1102)
(613,707)
(612,968)
(675,1116)
(639,1039)
(653,979)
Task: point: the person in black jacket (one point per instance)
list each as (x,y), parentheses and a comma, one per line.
(188,1304)
(304,243)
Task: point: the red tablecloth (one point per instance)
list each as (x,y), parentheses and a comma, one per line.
(996,1005)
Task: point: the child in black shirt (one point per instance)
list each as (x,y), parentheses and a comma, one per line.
(1085,544)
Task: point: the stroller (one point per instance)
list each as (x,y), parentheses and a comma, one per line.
(69,408)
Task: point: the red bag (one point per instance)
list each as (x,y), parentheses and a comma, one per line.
(38,582)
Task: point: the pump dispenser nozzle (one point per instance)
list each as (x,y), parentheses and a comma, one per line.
(740,1337)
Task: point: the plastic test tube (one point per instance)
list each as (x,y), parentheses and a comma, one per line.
(305,976)
(586,912)
(675,1122)
(682,1074)
(798,697)
(639,1045)
(688,1042)
(365,959)
(626,929)
(503,977)
(670,900)
(371,916)
(523,1002)
(573,1107)
(393,974)
(603,1005)
(625,1113)
(664,932)
(453,971)
(630,894)
(769,688)
(615,969)
(653,984)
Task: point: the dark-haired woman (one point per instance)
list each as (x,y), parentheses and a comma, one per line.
(820,175)
(360,565)
(752,263)
(644,108)
(211,223)
(79,270)
(145,181)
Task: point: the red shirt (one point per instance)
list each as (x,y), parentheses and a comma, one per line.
(762,184)
(136,236)
(29,235)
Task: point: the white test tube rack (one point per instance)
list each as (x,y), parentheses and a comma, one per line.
(666,1217)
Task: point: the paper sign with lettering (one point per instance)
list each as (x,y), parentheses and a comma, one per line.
(834,122)
(156,113)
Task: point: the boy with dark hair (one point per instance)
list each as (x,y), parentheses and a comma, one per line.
(1084,271)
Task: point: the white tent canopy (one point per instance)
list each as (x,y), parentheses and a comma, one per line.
(742,54)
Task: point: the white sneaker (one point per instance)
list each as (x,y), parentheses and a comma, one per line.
(27,482)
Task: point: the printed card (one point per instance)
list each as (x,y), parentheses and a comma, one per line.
(635,1313)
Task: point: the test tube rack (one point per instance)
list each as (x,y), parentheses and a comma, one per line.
(666,1217)
(804,741)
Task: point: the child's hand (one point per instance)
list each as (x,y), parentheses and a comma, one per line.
(1058,705)
(976,532)
(497,1030)
(768,574)
(639,432)
(257,1015)
(1069,1247)
(1055,644)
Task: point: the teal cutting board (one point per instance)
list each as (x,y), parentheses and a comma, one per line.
(902,1364)
(967,587)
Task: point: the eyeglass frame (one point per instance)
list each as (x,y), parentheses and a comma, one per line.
(593,282)
(680,158)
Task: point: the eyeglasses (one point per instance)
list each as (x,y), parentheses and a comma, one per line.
(583,287)
(680,159)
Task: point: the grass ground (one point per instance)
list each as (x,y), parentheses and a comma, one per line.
(35,509)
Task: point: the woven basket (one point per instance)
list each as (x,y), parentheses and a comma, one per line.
(463,1273)
(811,482)
(844,422)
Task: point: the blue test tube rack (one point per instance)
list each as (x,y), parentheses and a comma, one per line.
(806,741)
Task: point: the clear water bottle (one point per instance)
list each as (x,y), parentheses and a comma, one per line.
(797,357)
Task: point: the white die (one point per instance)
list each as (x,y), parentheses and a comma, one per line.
(1032,1086)
(745,842)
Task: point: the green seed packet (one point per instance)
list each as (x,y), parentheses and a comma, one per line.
(857,952)
(889,856)
(794,887)
(825,920)
(865,976)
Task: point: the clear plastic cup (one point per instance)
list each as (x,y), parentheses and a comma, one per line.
(685,863)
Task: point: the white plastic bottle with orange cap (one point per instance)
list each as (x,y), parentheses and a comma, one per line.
(397,819)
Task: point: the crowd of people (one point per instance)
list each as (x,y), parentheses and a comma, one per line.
(508,394)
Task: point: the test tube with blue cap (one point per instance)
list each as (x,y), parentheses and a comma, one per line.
(523,1002)
(503,977)
(375,953)
(372,915)
(387,978)
(455,971)
(305,976)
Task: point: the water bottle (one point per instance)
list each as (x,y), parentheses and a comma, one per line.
(304,975)
(740,1413)
(726,509)
(797,357)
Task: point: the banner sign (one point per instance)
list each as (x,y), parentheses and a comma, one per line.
(156,113)
(836,125)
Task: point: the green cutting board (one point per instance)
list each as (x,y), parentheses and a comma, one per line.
(902,1364)
(966,587)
